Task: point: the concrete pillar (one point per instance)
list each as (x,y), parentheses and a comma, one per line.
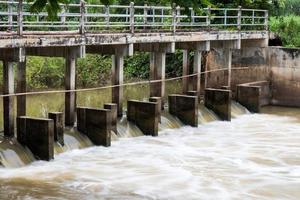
(59,126)
(38,135)
(21,88)
(185,108)
(219,101)
(197,70)
(185,71)
(228,58)
(157,72)
(8,102)
(144,115)
(96,124)
(70,97)
(117,79)
(114,115)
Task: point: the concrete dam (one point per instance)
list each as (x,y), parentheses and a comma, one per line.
(229,123)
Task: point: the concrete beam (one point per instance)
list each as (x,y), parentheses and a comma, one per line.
(21,88)
(155,47)
(124,50)
(157,72)
(57,51)
(255,43)
(38,135)
(226,44)
(117,79)
(8,102)
(194,46)
(145,115)
(12,54)
(185,108)
(219,101)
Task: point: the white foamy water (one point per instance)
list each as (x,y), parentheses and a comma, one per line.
(252,157)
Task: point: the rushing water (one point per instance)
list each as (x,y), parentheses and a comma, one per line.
(255,156)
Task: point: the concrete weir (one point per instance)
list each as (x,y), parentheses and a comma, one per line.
(185,108)
(96,124)
(145,115)
(38,135)
(219,101)
(253,95)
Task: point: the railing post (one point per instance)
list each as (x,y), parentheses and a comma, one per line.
(20,18)
(82,17)
(192,16)
(131,17)
(107,15)
(178,14)
(266,19)
(253,15)
(208,17)
(10,15)
(239,19)
(174,15)
(145,16)
(225,17)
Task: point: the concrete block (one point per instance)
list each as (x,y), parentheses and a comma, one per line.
(96,124)
(59,126)
(159,102)
(185,108)
(113,107)
(38,135)
(145,115)
(219,101)
(253,95)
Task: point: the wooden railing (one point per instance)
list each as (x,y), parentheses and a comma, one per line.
(83,17)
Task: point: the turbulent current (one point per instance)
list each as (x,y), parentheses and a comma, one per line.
(255,156)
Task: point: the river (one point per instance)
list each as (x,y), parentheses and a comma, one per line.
(255,156)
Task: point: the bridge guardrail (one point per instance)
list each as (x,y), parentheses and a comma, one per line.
(83,17)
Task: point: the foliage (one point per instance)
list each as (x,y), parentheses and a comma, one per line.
(287,28)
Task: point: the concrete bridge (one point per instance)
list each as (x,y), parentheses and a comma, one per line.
(118,30)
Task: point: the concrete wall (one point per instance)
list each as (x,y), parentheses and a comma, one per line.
(280,66)
(252,63)
(285,76)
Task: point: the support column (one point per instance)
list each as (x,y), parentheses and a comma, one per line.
(185,71)
(21,88)
(157,72)
(228,57)
(70,97)
(117,79)
(8,102)
(197,70)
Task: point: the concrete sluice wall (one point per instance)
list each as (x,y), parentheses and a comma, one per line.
(13,154)
(278,65)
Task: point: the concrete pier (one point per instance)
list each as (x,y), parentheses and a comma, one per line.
(8,102)
(185,70)
(197,70)
(114,115)
(70,97)
(38,135)
(117,79)
(96,124)
(158,101)
(59,126)
(157,73)
(185,108)
(254,95)
(21,88)
(145,115)
(219,101)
